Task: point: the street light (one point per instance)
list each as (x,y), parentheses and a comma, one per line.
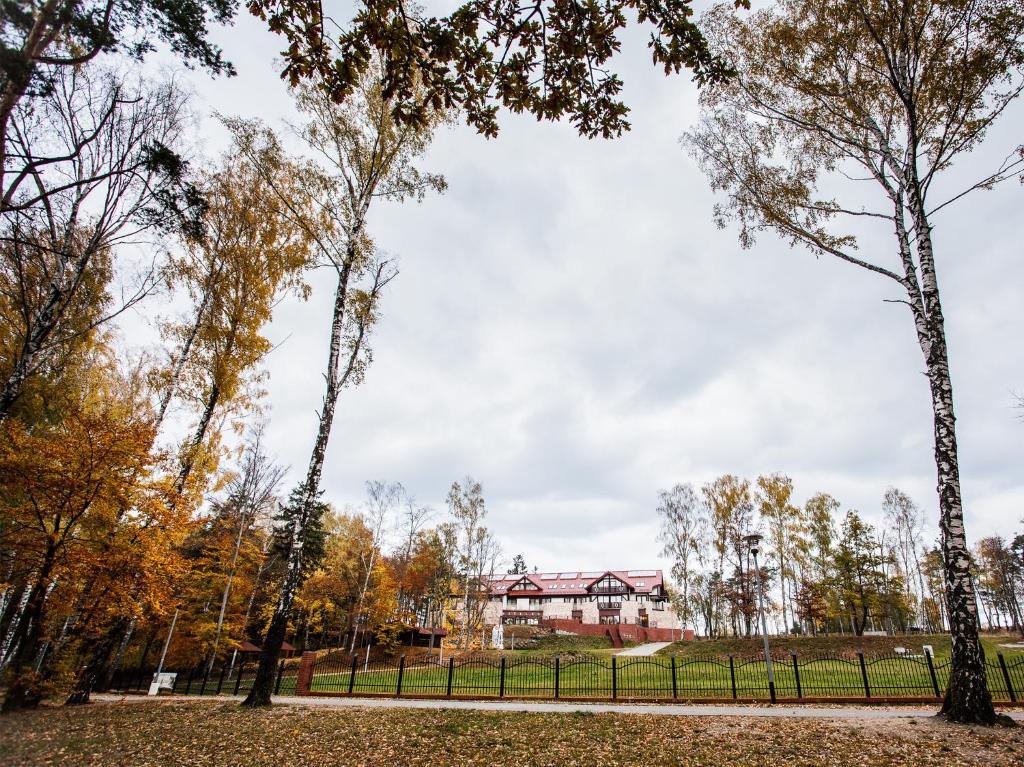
(753,542)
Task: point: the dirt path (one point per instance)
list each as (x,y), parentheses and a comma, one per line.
(760,711)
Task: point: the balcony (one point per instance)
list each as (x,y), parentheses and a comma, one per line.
(618,588)
(609,605)
(529,617)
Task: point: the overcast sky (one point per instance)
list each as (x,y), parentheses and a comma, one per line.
(571,329)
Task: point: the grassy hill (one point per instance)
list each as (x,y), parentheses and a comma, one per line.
(567,644)
(843,646)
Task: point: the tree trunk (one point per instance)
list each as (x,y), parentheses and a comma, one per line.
(119,657)
(42,326)
(97,663)
(968,699)
(186,349)
(23,692)
(262,687)
(188,462)
(44,29)
(15,604)
(227,589)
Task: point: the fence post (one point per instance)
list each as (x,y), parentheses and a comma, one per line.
(732,675)
(352,675)
(931,670)
(238,681)
(556,676)
(796,673)
(501,679)
(615,679)
(401,673)
(1006,678)
(280,673)
(675,685)
(220,679)
(304,680)
(451,672)
(864,675)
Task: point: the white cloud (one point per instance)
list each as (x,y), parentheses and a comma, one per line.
(570,328)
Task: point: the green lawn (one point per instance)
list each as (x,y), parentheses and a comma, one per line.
(639,677)
(845,646)
(827,667)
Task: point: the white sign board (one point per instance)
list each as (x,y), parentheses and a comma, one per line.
(162,682)
(498,636)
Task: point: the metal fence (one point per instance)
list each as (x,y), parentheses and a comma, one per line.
(202,680)
(589,676)
(652,678)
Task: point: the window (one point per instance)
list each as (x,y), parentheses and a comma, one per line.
(609,584)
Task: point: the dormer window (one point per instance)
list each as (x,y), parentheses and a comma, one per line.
(609,584)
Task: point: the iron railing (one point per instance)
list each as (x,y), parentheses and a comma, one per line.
(601,677)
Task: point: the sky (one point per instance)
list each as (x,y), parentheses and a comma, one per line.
(570,329)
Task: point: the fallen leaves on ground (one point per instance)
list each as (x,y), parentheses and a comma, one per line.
(221,734)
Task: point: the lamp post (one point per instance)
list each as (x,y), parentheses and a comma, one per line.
(753,543)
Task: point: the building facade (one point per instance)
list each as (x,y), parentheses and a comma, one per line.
(612,597)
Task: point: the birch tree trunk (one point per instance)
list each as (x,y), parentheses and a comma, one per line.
(68,277)
(186,350)
(188,462)
(21,692)
(263,684)
(968,699)
(227,591)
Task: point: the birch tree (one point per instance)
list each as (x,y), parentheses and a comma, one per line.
(878,100)
(468,509)
(731,511)
(681,533)
(774,496)
(45,39)
(253,251)
(906,520)
(382,498)
(411,523)
(250,495)
(95,169)
(362,155)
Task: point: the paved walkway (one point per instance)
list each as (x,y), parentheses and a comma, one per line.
(798,712)
(645,649)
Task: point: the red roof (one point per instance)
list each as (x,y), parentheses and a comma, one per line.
(576,583)
(248,647)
